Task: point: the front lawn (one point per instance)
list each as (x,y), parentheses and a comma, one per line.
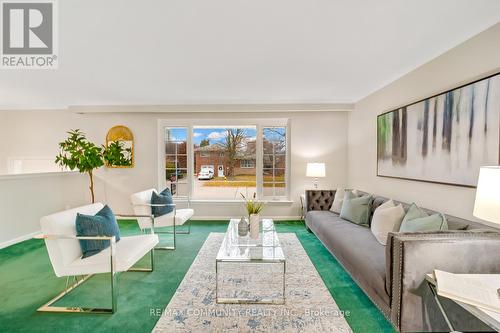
(243,181)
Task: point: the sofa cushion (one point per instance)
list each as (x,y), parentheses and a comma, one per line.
(414,212)
(456,224)
(338,200)
(356,209)
(434,222)
(386,218)
(355,247)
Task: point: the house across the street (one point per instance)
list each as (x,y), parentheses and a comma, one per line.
(216,157)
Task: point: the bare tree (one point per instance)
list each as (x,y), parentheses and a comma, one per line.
(235,142)
(279,142)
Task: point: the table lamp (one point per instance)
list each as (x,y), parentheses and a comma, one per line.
(315,170)
(487,204)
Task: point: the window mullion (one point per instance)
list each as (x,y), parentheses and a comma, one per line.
(274,169)
(190,161)
(259,162)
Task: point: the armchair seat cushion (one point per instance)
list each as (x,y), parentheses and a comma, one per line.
(128,251)
(181,216)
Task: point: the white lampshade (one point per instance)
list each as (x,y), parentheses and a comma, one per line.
(487,205)
(316,170)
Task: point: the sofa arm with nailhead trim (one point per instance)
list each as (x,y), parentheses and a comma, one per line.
(410,256)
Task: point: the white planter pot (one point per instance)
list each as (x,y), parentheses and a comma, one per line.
(254,226)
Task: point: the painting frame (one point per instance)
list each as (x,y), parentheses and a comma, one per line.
(423,100)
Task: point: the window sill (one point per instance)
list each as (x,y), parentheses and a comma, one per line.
(229,201)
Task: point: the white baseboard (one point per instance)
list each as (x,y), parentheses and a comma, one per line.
(276,218)
(19,239)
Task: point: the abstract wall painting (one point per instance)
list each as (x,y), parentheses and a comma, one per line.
(443,139)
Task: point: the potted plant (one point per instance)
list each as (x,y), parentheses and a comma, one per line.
(76,152)
(253,207)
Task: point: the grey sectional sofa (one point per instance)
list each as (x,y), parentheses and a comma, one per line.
(393,276)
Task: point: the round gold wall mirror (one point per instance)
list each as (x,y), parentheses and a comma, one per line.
(119,151)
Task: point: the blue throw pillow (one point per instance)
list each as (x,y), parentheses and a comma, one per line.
(165,197)
(101,224)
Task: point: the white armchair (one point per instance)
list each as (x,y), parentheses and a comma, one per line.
(141,203)
(63,247)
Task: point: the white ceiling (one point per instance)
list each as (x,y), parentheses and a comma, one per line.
(118,52)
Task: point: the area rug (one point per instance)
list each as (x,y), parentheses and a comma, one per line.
(309,307)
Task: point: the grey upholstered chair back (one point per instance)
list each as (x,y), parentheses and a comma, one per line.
(319,199)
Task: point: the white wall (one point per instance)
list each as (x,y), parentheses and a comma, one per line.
(473,59)
(315,136)
(26,198)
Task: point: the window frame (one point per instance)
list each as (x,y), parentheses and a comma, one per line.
(190,124)
(249,166)
(176,195)
(286,179)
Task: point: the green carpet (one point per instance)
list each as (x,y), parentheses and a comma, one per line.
(27,281)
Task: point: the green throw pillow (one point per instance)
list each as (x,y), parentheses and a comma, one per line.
(434,222)
(356,209)
(414,212)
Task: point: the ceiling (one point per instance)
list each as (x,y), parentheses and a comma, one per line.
(122,52)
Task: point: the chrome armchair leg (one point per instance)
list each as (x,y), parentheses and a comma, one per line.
(182,232)
(166,247)
(48,307)
(159,247)
(152,264)
(172,233)
(114,290)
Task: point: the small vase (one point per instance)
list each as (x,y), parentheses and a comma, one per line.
(243,227)
(254,226)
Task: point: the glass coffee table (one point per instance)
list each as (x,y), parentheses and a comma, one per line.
(248,270)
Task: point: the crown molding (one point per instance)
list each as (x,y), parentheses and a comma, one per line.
(229,108)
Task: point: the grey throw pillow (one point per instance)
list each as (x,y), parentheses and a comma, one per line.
(356,209)
(338,200)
